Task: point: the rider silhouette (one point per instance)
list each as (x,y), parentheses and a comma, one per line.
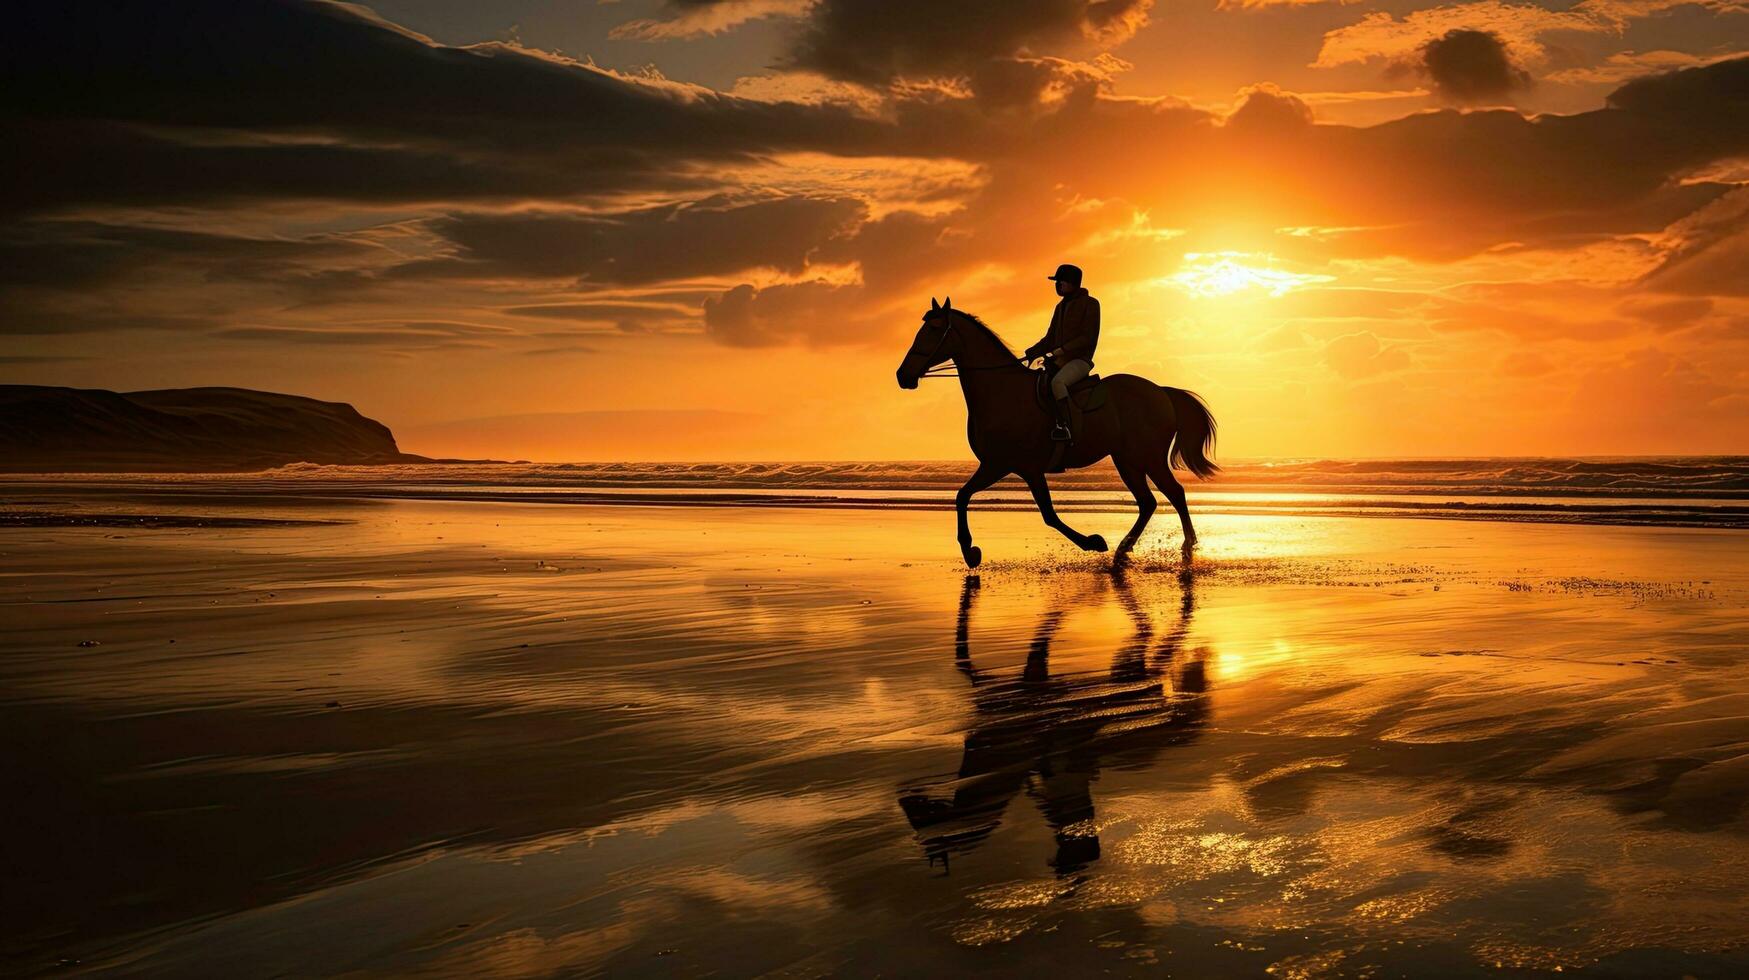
(1068,343)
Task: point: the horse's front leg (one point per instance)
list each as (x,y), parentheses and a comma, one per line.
(1041,494)
(981,480)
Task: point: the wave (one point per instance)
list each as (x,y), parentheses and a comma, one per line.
(1694,491)
(1709,476)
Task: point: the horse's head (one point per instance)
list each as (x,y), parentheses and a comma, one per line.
(933,344)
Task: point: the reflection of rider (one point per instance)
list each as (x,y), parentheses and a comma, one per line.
(1049,734)
(1068,342)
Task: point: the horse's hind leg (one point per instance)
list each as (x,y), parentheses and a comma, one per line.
(1136,478)
(1162,473)
(1041,494)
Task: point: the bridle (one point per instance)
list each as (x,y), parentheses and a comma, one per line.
(947,369)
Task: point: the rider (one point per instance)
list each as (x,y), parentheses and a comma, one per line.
(1073,333)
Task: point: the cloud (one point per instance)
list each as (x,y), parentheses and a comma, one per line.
(220,101)
(1264,4)
(91,254)
(1028,83)
(1524,364)
(675,241)
(877,42)
(90,276)
(1267,108)
(814,312)
(404,337)
(1520,27)
(600,310)
(690,18)
(1361,355)
(1530,310)
(1719,269)
(1667,312)
(21,360)
(1707,253)
(1470,67)
(1655,398)
(1627,65)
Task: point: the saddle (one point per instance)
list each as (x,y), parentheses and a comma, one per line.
(1086,395)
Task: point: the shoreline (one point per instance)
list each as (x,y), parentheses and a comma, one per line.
(47,502)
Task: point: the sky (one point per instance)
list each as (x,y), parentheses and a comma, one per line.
(707,229)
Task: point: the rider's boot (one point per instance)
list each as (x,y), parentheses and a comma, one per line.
(1061,431)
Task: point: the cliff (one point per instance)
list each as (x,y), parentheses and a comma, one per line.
(45,429)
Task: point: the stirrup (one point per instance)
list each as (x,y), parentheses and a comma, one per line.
(1060,432)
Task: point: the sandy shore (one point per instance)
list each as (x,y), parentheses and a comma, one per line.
(405,737)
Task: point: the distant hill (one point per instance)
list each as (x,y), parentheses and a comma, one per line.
(82,430)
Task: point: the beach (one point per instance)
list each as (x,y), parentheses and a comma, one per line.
(398,729)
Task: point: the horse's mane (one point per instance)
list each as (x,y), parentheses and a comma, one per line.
(995,338)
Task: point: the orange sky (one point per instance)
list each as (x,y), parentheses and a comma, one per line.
(675,229)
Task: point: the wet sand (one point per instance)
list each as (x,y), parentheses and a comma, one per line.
(450,738)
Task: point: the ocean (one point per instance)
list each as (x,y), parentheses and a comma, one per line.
(1684,491)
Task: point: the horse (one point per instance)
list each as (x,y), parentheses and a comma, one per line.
(1146,429)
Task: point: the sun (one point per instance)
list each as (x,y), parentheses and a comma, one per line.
(1210,274)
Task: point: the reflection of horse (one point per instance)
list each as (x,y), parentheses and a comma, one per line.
(1049,734)
(1145,428)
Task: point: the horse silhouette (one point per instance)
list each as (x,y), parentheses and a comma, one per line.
(1145,428)
(1050,734)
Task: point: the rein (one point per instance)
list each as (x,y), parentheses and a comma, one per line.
(942,370)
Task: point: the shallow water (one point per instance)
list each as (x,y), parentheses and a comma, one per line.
(1685,491)
(452,738)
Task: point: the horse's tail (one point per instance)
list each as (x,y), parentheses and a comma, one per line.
(1196,434)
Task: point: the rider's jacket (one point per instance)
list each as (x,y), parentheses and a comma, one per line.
(1074,327)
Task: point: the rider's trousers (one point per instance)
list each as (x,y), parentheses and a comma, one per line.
(1067,375)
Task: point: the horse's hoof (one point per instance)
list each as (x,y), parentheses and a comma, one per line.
(1094,543)
(974,556)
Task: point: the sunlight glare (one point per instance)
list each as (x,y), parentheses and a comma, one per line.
(1210,274)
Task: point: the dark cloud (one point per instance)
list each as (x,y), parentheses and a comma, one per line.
(685,18)
(215,100)
(1689,94)
(29,315)
(1669,312)
(560,351)
(65,165)
(1709,251)
(1469,67)
(1719,269)
(1266,108)
(606,310)
(902,248)
(22,360)
(408,337)
(814,312)
(677,241)
(88,254)
(87,276)
(1024,83)
(876,41)
(1443,239)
